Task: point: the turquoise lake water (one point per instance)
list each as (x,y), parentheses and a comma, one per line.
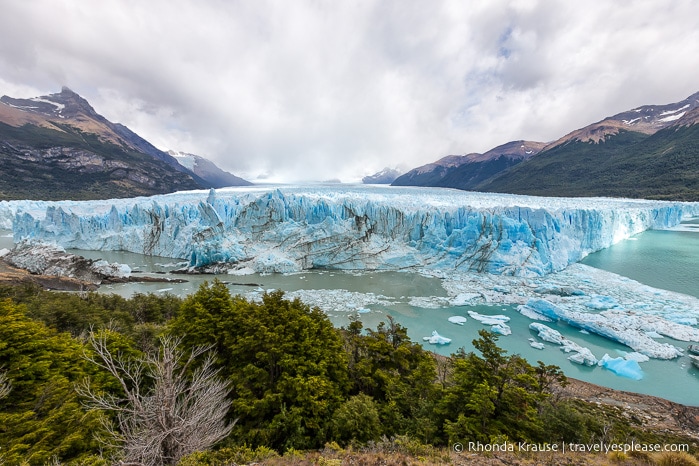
(659,258)
(662,259)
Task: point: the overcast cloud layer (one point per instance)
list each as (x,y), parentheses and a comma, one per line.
(312,89)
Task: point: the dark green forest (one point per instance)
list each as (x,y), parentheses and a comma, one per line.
(628,164)
(93,379)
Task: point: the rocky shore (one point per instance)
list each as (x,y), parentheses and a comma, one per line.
(51,267)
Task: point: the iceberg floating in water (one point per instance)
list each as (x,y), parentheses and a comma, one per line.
(581,354)
(536,344)
(628,328)
(487,319)
(628,368)
(437,339)
(362,228)
(502,329)
(458,320)
(638,357)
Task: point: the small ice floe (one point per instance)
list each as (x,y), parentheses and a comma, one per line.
(581,355)
(622,367)
(437,339)
(489,320)
(458,320)
(502,329)
(363,310)
(635,356)
(163,290)
(538,309)
(463,299)
(536,344)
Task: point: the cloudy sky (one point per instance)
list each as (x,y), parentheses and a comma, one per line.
(293,90)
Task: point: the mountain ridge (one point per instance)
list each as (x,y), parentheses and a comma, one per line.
(624,155)
(466,171)
(207,170)
(58,147)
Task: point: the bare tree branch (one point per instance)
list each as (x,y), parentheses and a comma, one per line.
(183,411)
(5,385)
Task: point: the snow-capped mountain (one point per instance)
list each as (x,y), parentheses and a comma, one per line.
(57,146)
(651,151)
(386,176)
(207,170)
(647,119)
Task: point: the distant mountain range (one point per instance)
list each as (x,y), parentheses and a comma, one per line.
(207,170)
(58,147)
(386,176)
(647,152)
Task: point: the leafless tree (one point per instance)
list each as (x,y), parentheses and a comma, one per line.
(5,385)
(183,410)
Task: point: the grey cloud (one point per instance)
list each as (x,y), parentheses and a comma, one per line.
(340,89)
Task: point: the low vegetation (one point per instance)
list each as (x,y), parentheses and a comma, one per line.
(97,379)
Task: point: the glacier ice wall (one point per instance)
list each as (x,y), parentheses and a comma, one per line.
(285,229)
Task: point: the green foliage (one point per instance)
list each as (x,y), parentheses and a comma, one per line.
(494,395)
(284,359)
(297,382)
(357,420)
(42,417)
(628,164)
(398,374)
(140,317)
(226,456)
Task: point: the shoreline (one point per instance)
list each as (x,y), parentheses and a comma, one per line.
(15,276)
(653,412)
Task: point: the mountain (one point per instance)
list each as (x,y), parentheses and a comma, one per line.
(58,147)
(207,170)
(467,171)
(386,176)
(651,151)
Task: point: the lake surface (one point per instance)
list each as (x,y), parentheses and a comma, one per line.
(662,259)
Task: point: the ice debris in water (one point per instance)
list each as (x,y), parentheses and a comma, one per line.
(458,320)
(581,355)
(437,339)
(502,329)
(536,344)
(628,368)
(628,328)
(633,355)
(488,319)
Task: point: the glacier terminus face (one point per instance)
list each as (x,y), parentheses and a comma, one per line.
(289,229)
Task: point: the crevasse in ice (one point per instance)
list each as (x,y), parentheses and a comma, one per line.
(286,229)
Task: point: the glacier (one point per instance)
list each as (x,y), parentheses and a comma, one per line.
(289,229)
